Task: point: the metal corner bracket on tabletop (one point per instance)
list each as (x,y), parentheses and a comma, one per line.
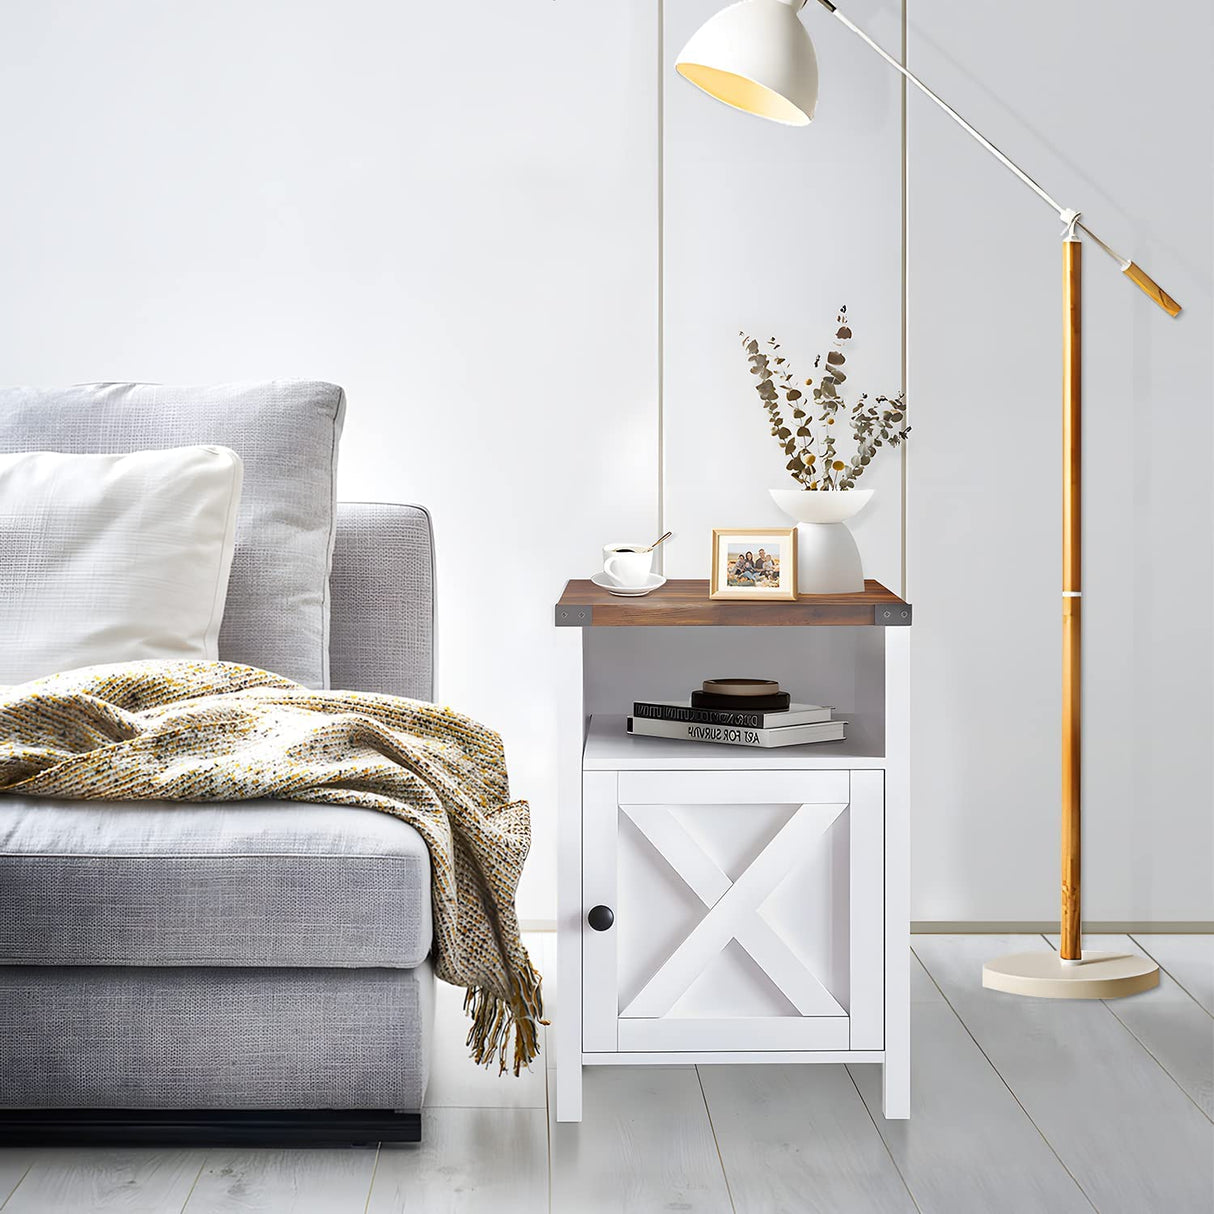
(896,616)
(573,617)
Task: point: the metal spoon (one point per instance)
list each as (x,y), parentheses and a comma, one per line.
(656,542)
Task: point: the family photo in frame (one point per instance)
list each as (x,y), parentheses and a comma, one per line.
(754,564)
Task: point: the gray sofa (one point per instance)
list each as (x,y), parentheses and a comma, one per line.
(172,959)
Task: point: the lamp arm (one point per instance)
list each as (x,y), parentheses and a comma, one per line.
(1133,272)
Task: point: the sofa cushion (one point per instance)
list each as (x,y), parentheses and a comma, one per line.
(113,558)
(259,883)
(286,432)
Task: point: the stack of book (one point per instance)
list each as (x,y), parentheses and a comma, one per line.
(767,722)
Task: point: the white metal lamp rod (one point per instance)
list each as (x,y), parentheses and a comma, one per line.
(1070,218)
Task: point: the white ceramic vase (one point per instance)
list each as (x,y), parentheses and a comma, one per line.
(828,561)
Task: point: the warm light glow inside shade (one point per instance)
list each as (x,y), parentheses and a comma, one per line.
(742,94)
(757,57)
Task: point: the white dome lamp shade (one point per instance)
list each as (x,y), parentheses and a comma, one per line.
(757,57)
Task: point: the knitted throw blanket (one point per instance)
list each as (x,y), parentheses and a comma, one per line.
(217,731)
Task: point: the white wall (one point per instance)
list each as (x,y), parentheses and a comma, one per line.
(769,229)
(1072,91)
(453,210)
(449,209)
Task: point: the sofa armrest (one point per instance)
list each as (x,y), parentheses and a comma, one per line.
(381,633)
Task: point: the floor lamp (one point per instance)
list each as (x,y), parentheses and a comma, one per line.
(757,56)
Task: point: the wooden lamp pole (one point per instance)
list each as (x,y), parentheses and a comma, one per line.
(1072,593)
(1072,973)
(757,56)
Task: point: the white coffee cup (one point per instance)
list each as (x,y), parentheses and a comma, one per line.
(626,565)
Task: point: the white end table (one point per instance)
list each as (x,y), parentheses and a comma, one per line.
(720,903)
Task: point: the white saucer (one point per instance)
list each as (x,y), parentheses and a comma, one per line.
(652,582)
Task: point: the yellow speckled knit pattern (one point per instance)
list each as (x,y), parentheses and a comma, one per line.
(217,731)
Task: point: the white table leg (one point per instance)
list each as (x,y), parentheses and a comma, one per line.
(895,1085)
(568,1089)
(896,1071)
(571,740)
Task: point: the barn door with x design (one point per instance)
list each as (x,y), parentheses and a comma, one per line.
(746,911)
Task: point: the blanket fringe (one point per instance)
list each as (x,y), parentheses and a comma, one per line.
(495,1022)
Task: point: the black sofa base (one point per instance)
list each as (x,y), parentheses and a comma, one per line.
(208,1127)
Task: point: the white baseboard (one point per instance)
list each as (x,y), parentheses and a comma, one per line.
(1116,927)
(1014,927)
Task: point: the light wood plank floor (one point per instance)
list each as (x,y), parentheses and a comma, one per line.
(1019,1107)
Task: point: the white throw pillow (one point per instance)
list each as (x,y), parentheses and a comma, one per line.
(113,558)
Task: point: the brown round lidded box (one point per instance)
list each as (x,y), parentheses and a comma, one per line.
(757,695)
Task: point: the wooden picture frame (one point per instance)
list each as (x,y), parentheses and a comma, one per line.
(753,547)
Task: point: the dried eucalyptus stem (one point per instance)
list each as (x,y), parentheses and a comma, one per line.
(805,433)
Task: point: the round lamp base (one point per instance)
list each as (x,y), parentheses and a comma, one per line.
(1046,976)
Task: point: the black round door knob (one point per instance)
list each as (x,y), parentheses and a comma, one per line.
(600,918)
